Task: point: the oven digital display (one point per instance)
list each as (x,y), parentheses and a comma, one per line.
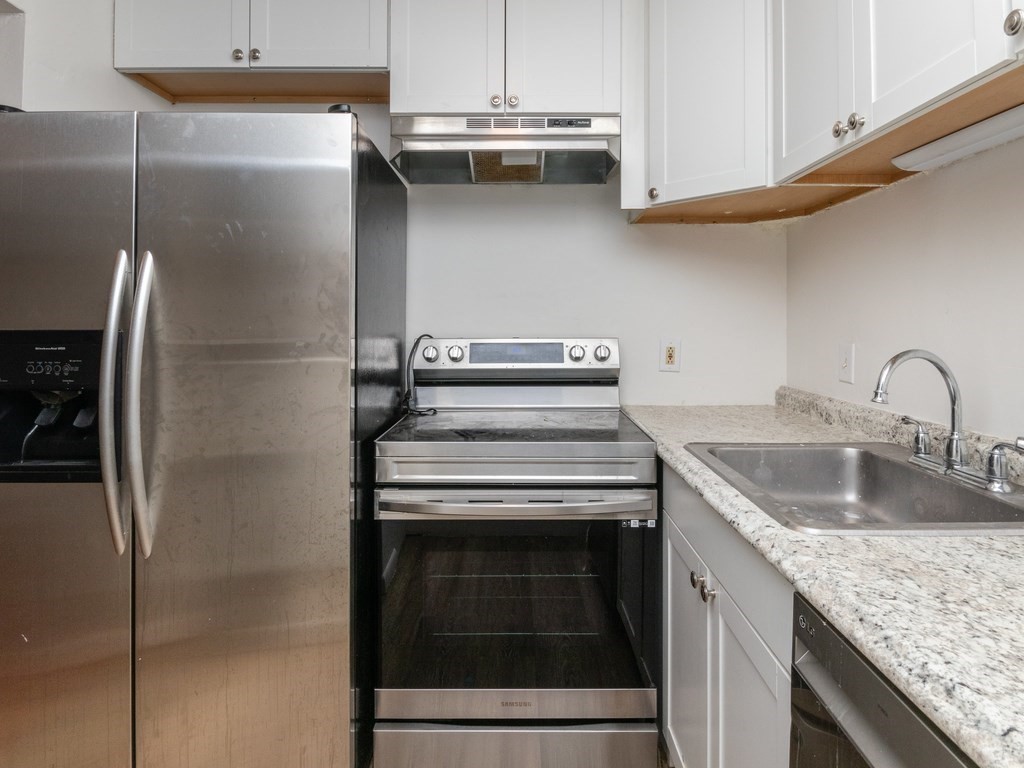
(515,352)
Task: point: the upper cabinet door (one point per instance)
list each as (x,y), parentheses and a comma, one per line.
(917,51)
(562,56)
(185,34)
(814,80)
(223,34)
(315,34)
(707,94)
(447,56)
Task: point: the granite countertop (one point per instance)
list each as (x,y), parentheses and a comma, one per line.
(941,616)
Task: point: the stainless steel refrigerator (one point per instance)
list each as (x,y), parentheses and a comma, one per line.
(201,319)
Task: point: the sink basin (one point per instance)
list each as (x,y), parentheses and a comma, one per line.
(858,488)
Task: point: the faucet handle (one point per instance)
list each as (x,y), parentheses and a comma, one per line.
(922,440)
(996,472)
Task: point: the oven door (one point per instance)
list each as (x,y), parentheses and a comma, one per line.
(501,604)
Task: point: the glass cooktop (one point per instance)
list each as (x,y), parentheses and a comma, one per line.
(591,433)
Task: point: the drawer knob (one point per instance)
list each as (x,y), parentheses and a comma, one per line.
(707,595)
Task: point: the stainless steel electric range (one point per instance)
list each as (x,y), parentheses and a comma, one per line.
(517,513)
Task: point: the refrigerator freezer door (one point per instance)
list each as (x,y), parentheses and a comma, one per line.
(66,209)
(242,609)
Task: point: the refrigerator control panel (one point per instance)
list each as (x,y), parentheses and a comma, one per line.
(50,360)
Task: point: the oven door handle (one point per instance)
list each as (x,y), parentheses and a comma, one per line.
(641,507)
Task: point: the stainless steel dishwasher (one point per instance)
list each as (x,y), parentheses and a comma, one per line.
(847,715)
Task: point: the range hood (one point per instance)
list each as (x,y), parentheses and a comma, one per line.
(541,149)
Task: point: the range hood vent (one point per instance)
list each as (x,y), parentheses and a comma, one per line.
(506,149)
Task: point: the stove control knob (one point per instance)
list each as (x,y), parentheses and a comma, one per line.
(602,353)
(430,354)
(576,353)
(455,354)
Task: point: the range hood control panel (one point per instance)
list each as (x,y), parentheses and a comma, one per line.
(569,122)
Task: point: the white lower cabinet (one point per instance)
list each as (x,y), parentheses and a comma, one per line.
(726,640)
(750,698)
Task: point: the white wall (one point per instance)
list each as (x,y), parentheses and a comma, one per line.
(935,262)
(12,48)
(69,54)
(552,261)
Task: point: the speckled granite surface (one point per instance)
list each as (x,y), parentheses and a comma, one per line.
(942,617)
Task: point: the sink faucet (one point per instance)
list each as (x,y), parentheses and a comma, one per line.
(954,451)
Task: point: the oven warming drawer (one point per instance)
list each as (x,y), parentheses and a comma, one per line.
(510,704)
(614,745)
(505,470)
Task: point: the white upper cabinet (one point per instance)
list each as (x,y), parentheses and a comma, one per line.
(447,56)
(707,98)
(236,34)
(843,68)
(505,56)
(915,52)
(814,81)
(562,56)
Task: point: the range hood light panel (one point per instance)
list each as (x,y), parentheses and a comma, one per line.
(518,158)
(992,132)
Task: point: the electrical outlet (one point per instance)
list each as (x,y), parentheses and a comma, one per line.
(844,362)
(668,359)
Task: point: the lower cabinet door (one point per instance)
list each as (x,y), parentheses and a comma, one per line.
(686,671)
(750,695)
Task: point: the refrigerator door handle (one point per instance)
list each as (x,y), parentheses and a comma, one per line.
(133,407)
(107,435)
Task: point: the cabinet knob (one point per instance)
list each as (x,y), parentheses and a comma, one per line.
(695,580)
(707,595)
(839,129)
(855,121)
(653,193)
(1014,22)
(238,54)
(254,54)
(513,100)
(496,100)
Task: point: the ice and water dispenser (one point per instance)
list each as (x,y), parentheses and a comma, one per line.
(49,397)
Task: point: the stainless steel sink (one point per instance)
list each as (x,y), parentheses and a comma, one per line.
(858,488)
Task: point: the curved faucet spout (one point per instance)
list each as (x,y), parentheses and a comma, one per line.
(954,443)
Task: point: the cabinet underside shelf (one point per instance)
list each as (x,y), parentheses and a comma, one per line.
(249,86)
